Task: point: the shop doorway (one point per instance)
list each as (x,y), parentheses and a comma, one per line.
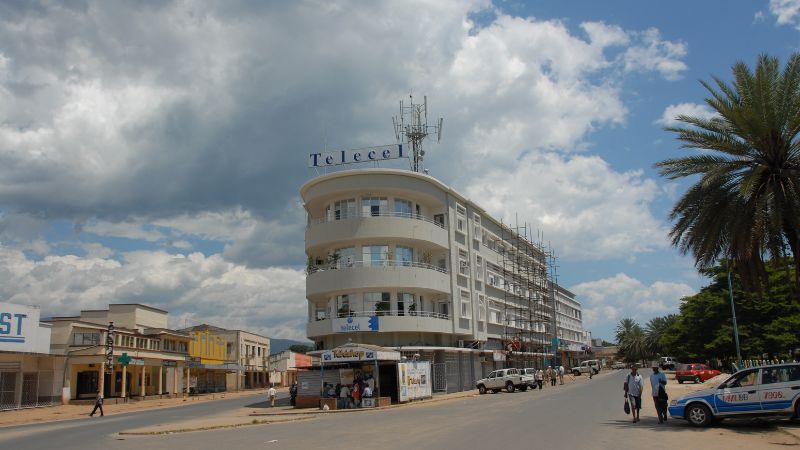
(87,384)
(388,381)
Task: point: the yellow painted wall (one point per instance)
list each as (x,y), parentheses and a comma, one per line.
(209,348)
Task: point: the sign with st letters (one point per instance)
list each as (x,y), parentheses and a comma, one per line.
(19,328)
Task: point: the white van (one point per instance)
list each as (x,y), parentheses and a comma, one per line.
(590,365)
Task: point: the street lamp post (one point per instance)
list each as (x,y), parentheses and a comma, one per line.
(735,327)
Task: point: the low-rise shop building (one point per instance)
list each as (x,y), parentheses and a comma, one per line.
(29,375)
(148,359)
(283,367)
(245,361)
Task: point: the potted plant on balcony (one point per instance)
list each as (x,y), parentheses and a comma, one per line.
(427,257)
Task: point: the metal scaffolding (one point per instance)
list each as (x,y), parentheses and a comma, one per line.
(528,268)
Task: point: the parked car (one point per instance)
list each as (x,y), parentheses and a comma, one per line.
(529,377)
(590,365)
(619,365)
(508,379)
(696,372)
(667,363)
(757,391)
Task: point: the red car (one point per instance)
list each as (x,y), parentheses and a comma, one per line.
(696,372)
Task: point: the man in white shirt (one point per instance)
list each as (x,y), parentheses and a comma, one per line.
(634,385)
(344,395)
(272,393)
(560,374)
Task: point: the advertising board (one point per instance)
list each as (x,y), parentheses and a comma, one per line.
(413,380)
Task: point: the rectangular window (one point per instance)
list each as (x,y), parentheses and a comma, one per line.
(463,263)
(404,303)
(403,208)
(481,308)
(320,311)
(343,305)
(479,267)
(444,309)
(345,257)
(344,209)
(404,256)
(86,339)
(379,302)
(466,309)
(374,255)
(374,206)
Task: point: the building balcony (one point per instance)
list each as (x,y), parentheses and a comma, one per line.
(381,321)
(383,226)
(365,275)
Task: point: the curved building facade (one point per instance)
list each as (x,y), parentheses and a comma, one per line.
(399,259)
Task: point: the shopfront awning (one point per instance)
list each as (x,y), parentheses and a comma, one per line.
(349,353)
(226,366)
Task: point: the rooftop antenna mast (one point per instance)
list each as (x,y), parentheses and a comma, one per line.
(412,126)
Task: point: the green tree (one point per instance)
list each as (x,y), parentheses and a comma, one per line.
(624,328)
(300,348)
(655,330)
(631,341)
(746,201)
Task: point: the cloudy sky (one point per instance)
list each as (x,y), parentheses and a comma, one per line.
(152,151)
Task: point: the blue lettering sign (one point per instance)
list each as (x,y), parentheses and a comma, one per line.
(7,331)
(5,324)
(371,154)
(338,157)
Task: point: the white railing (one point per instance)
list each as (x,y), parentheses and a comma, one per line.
(363,215)
(344,265)
(392,312)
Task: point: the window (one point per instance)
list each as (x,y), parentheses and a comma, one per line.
(438,219)
(374,206)
(344,209)
(345,257)
(466,310)
(403,208)
(463,263)
(343,305)
(320,311)
(404,256)
(460,224)
(479,267)
(444,309)
(481,308)
(86,339)
(405,302)
(747,378)
(783,374)
(375,255)
(380,302)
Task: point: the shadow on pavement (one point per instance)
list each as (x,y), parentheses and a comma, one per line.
(266,404)
(740,426)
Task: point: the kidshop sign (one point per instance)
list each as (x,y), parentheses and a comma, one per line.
(361,155)
(19,329)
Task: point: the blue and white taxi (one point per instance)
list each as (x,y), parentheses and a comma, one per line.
(756,391)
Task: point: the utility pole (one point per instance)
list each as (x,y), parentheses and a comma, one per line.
(735,326)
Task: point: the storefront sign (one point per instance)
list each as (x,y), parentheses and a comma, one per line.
(19,328)
(168,363)
(369,154)
(414,380)
(355,324)
(349,354)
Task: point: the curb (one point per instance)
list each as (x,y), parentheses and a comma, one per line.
(210,428)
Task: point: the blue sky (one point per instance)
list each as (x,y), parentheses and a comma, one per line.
(154,153)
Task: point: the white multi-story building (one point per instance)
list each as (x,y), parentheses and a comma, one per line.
(398,259)
(569,325)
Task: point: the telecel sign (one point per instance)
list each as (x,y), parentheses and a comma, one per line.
(368,154)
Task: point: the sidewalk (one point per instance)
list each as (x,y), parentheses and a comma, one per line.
(68,412)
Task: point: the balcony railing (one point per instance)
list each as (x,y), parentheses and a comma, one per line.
(344,265)
(392,312)
(362,215)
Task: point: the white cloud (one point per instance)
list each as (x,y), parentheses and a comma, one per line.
(608,300)
(133,228)
(585,208)
(656,55)
(786,11)
(669,117)
(193,288)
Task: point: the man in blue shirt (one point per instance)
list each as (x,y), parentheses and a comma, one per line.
(658,385)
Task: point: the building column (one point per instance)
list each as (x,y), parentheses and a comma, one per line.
(124,381)
(101,380)
(174,380)
(187,381)
(160,375)
(142,389)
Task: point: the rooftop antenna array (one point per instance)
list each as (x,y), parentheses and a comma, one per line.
(412,126)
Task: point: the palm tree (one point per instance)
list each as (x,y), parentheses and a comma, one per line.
(634,347)
(624,328)
(746,202)
(655,329)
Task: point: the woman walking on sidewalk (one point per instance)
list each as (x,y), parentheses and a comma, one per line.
(98,403)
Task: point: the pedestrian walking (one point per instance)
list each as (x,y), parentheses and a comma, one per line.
(560,374)
(272,393)
(98,404)
(658,386)
(539,378)
(293,394)
(344,397)
(551,373)
(634,385)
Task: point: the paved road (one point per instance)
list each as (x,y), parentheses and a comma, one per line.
(96,432)
(586,414)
